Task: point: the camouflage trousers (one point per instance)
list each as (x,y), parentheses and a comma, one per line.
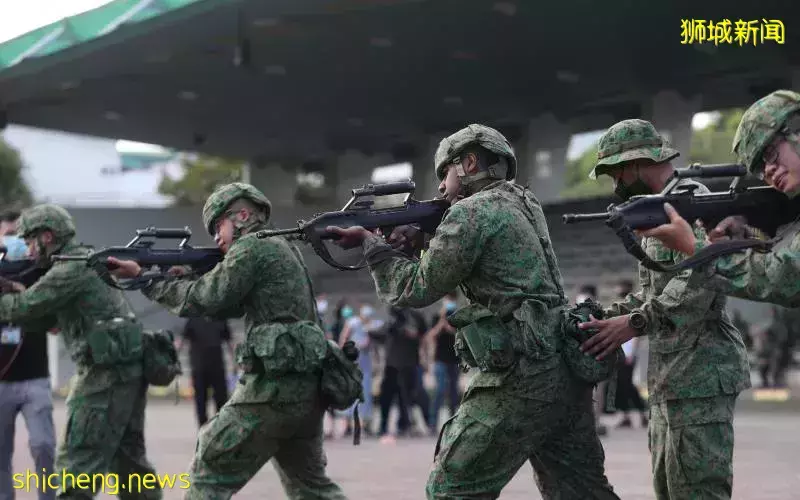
(105,435)
(242,437)
(500,424)
(691,443)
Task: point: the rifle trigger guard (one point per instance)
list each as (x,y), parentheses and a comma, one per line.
(629,241)
(316,243)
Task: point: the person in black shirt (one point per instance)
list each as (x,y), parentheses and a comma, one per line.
(400,377)
(25,388)
(206,337)
(446,370)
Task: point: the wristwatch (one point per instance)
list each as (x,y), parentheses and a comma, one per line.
(637,320)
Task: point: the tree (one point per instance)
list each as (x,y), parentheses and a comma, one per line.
(577,181)
(202,174)
(14,191)
(713,143)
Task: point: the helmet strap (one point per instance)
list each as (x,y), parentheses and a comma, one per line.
(497,171)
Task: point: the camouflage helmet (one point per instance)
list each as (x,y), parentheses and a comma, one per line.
(46,217)
(487,137)
(221,199)
(630,140)
(760,124)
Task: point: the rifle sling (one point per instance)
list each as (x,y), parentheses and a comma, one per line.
(704,256)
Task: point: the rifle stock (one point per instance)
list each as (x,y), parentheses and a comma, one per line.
(764,208)
(200,259)
(425,215)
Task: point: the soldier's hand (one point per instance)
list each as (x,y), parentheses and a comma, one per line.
(406,237)
(179,270)
(349,238)
(675,235)
(8,286)
(731,227)
(124,268)
(611,333)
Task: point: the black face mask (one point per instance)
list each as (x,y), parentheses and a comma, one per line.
(637,188)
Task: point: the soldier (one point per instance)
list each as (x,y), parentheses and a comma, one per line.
(767,142)
(523,405)
(697,360)
(106,405)
(276,410)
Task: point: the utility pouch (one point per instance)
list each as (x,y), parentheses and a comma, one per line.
(115,341)
(584,366)
(482,339)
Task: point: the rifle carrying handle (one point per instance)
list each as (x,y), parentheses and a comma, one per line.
(385,189)
(166,233)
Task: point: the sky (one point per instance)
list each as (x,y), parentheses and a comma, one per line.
(21,16)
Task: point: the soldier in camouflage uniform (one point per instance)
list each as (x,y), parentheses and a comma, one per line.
(276,411)
(697,359)
(767,142)
(523,405)
(106,404)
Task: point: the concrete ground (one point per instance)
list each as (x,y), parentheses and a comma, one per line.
(767,447)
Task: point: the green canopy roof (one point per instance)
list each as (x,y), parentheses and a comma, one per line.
(83,27)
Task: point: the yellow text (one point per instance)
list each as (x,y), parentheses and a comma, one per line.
(696,31)
(109,483)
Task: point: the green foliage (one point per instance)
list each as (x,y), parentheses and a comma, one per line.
(578,183)
(14,191)
(711,144)
(202,174)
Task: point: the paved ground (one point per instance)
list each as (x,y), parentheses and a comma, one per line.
(767,447)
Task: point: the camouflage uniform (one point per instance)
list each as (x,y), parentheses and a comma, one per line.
(495,245)
(772,276)
(276,410)
(106,404)
(697,359)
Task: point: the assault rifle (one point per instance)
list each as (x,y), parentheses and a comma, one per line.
(764,207)
(200,259)
(424,215)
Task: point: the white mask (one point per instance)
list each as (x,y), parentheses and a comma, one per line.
(366,311)
(322,306)
(581,297)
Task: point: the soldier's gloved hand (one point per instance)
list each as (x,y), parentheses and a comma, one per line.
(731,227)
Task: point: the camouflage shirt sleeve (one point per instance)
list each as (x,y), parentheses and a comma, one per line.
(679,303)
(631,302)
(60,285)
(217,293)
(448,261)
(764,277)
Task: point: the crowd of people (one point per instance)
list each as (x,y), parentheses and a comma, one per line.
(398,353)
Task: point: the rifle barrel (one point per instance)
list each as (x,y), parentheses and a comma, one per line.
(69,257)
(573,218)
(266,233)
